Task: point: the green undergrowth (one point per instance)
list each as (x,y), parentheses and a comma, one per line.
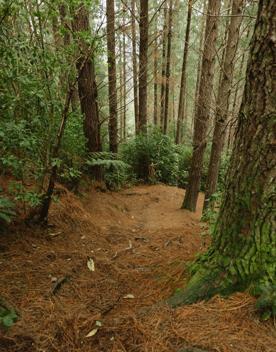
(8,315)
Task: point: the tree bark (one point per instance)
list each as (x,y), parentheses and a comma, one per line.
(86,84)
(134,64)
(112,87)
(203,106)
(67,41)
(182,93)
(168,68)
(143,62)
(163,72)
(124,76)
(199,62)
(155,74)
(121,87)
(238,89)
(242,252)
(222,105)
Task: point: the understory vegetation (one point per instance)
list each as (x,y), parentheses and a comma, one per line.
(152,158)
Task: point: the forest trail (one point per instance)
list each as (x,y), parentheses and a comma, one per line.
(138,242)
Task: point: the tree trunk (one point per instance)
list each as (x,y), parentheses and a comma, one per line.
(182,92)
(168,68)
(134,64)
(163,73)
(199,62)
(242,252)
(86,84)
(143,61)
(238,89)
(124,76)
(121,88)
(112,89)
(47,198)
(223,98)
(203,107)
(67,41)
(155,73)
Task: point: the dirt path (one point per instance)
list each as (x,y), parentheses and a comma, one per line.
(140,242)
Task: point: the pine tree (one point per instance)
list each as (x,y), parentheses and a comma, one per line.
(143,63)
(203,105)
(242,252)
(182,93)
(112,93)
(223,98)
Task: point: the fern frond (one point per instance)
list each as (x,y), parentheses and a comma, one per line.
(108,164)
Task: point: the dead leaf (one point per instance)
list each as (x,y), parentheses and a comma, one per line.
(90,264)
(129,296)
(92,333)
(54,234)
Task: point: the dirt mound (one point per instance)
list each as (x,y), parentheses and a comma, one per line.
(137,243)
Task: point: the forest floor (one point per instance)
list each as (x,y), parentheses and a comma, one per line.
(97,280)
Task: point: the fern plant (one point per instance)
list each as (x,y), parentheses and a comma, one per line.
(7,210)
(116,171)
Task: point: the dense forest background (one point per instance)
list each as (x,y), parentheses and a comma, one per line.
(114,94)
(47,50)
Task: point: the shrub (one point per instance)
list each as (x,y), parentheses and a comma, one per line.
(153,157)
(116,172)
(7,211)
(185,156)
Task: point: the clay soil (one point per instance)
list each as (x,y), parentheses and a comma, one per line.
(138,243)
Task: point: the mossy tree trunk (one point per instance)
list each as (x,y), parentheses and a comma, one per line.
(243,249)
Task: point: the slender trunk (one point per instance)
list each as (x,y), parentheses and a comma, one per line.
(86,84)
(121,88)
(155,73)
(199,62)
(168,68)
(242,252)
(112,89)
(67,41)
(143,61)
(46,202)
(56,34)
(124,76)
(223,98)
(163,73)
(134,64)
(203,108)
(182,93)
